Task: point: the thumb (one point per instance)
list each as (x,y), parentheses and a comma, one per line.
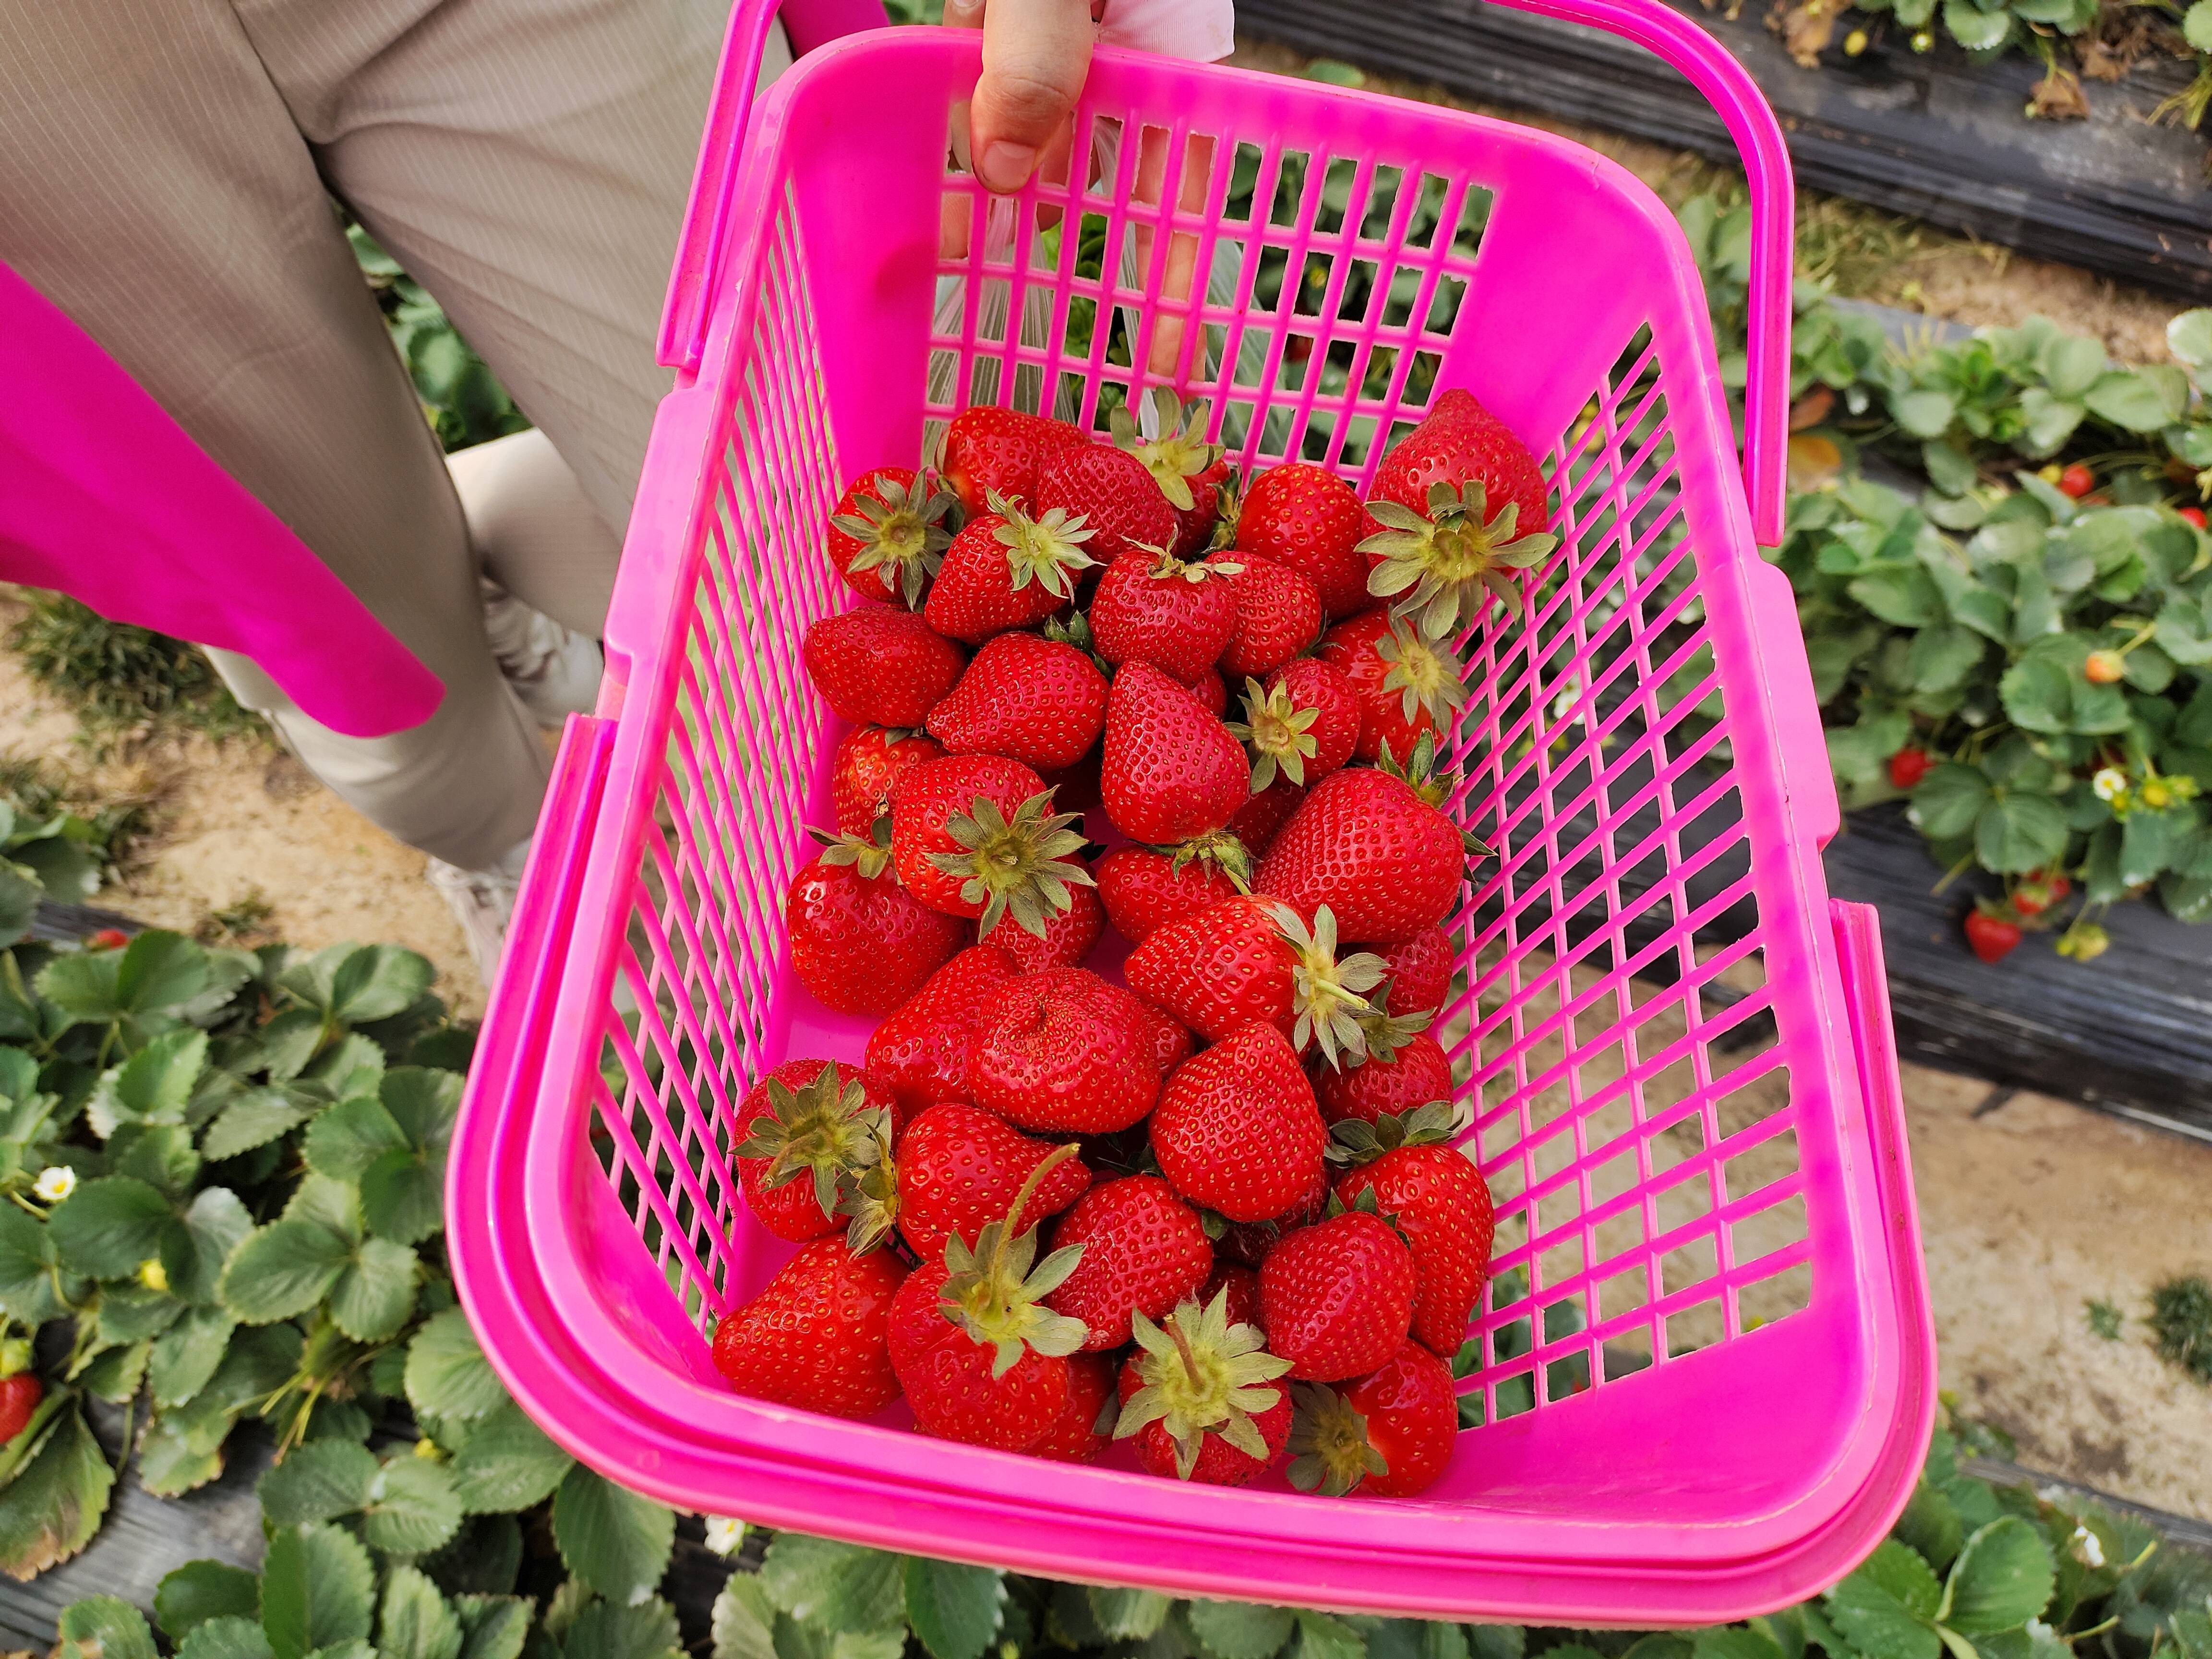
(1036,54)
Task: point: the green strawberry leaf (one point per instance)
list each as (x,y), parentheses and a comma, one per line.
(103,1627)
(494,1627)
(317,1591)
(227,1638)
(415,1621)
(412,1507)
(201,1591)
(319,1481)
(447,1375)
(2003,1577)
(1129,1615)
(838,1587)
(744,1622)
(55,1502)
(611,1630)
(507,1463)
(614,1541)
(955,1610)
(107,1227)
(1239,1630)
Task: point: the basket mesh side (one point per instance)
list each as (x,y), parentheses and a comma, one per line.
(1612,1027)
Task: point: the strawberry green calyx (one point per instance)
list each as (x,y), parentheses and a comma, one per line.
(1165,567)
(1074,630)
(871,1203)
(1020,867)
(1386,1032)
(1171,443)
(996,1296)
(1278,732)
(826,1129)
(1326,995)
(14,1355)
(1449,564)
(901,531)
(1419,774)
(871,854)
(1201,1376)
(1424,674)
(1218,848)
(1436,1124)
(1045,550)
(1228,510)
(1329,1450)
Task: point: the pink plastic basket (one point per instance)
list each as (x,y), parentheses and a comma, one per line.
(1706,1375)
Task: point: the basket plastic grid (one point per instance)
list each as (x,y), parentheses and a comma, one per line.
(1704,1371)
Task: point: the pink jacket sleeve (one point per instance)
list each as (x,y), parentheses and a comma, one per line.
(1202,31)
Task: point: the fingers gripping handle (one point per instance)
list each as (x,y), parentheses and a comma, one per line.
(1743,110)
(808,23)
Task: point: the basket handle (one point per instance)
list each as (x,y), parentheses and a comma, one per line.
(1727,85)
(809,24)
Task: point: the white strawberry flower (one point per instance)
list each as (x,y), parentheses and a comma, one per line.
(2085,1548)
(725,1534)
(55,1183)
(2110,784)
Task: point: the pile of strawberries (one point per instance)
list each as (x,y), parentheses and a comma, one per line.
(1260,1240)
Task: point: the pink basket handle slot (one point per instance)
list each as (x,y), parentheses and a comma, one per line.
(1727,85)
(808,24)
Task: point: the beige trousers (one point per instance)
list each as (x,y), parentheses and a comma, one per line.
(165,171)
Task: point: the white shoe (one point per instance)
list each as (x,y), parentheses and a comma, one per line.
(555,672)
(483,901)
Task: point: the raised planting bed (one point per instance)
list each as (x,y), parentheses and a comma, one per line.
(1933,135)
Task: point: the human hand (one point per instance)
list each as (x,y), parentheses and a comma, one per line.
(1036,55)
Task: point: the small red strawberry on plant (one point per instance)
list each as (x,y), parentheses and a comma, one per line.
(1067,937)
(888,534)
(859,942)
(1409,686)
(1171,772)
(878,666)
(1420,973)
(1200,1399)
(1261,818)
(805,1131)
(1006,570)
(976,835)
(2041,892)
(1277,615)
(1111,492)
(20,1391)
(2191,516)
(868,761)
(1908,766)
(1247,960)
(1236,1130)
(108,938)
(1146,888)
(1992,930)
(1309,519)
(988,449)
(1032,700)
(921,1052)
(1170,442)
(1407,1169)
(2076,481)
(1389,1434)
(1157,609)
(1338,1296)
(1144,1250)
(981,1357)
(1304,723)
(959,1168)
(1402,1068)
(1064,1050)
(1084,1427)
(1366,844)
(816,1336)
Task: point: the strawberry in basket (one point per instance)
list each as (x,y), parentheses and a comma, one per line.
(1407,1169)
(1200,1397)
(1401,1067)
(1302,725)
(989,451)
(1389,1433)
(1157,609)
(1408,685)
(1170,442)
(1143,1251)
(878,666)
(921,1052)
(860,941)
(1146,888)
(1236,1130)
(1247,960)
(976,835)
(959,1168)
(868,763)
(1306,518)
(1006,570)
(888,534)
(818,1335)
(1277,615)
(804,1129)
(1032,700)
(1171,770)
(1113,494)
(1063,1050)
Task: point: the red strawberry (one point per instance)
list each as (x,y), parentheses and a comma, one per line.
(980,1357)
(1439,1203)
(1110,492)
(989,449)
(1144,1250)
(1032,700)
(1366,845)
(1455,509)
(1309,519)
(1236,1129)
(1247,1243)
(1408,685)
(959,1167)
(1211,694)
(921,1053)
(859,942)
(1084,1427)
(1403,1069)
(1991,937)
(1261,818)
(1171,771)
(868,762)
(1304,721)
(1005,570)
(1420,973)
(1171,1042)
(1067,937)
(818,1335)
(1144,888)
(1277,615)
(888,534)
(1063,1050)
(1171,443)
(1243,961)
(804,1131)
(1244,1287)
(878,666)
(1389,1434)
(1176,617)
(1338,1297)
(1200,1399)
(976,835)
(20,1395)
